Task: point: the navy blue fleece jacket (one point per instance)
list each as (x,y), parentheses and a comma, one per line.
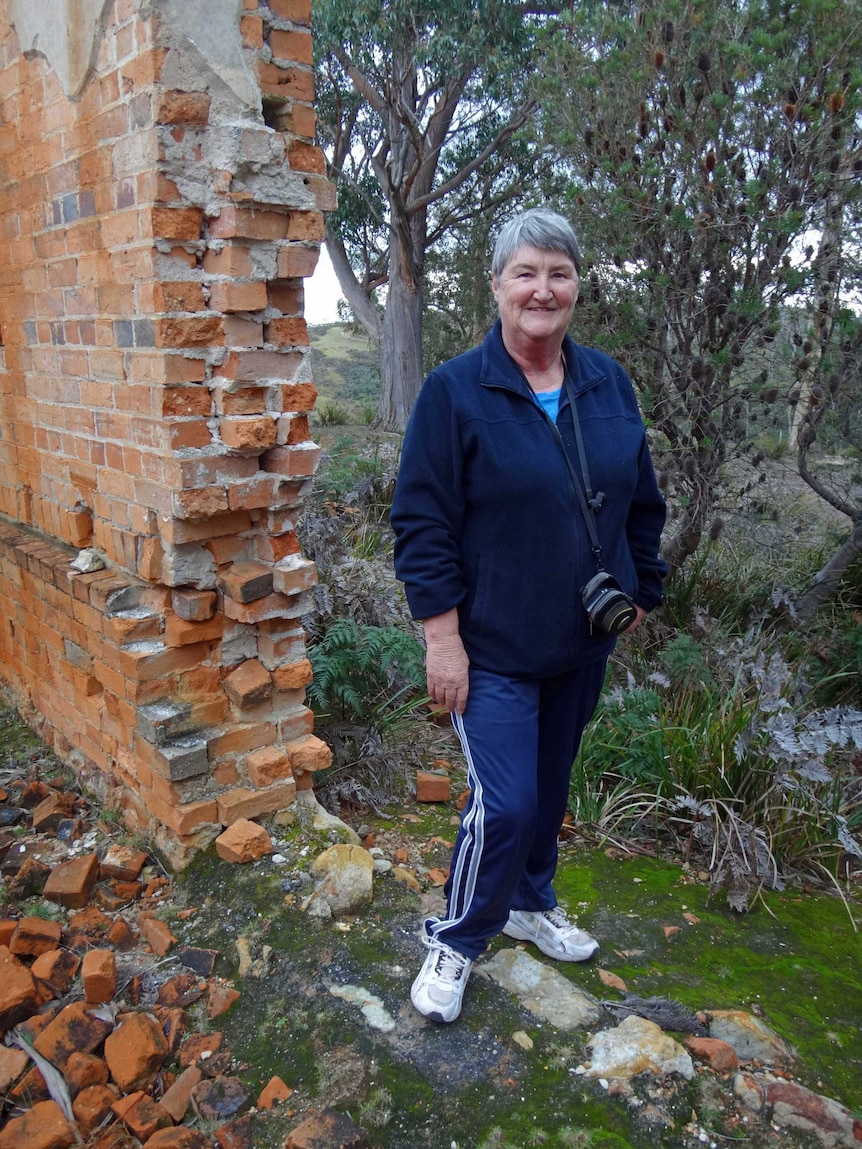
(486,518)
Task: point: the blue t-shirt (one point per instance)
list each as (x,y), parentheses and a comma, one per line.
(549,401)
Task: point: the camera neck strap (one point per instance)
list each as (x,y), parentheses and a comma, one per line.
(589,503)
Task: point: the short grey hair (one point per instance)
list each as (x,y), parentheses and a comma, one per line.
(538,227)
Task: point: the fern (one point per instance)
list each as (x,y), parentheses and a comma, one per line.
(362,672)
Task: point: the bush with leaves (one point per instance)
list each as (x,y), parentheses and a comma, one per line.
(732,772)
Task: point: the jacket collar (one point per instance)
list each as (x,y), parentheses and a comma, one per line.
(499,369)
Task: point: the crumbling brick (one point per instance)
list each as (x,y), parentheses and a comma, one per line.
(249,684)
(99,975)
(70,883)
(135,1052)
(243,841)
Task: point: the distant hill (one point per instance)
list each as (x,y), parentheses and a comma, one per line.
(345,365)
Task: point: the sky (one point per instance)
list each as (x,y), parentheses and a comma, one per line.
(322,292)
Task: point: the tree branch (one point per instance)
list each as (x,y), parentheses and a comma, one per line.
(362,307)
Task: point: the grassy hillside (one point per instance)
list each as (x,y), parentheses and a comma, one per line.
(345,369)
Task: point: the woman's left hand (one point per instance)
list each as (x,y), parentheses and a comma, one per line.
(641,613)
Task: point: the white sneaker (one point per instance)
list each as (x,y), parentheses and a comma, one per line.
(552,932)
(438,990)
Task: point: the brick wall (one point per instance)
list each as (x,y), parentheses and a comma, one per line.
(155,387)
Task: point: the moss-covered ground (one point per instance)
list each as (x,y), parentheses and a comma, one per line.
(793,960)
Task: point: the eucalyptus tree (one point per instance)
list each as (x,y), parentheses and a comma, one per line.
(711,143)
(417,105)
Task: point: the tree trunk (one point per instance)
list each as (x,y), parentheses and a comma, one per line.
(827,580)
(401,357)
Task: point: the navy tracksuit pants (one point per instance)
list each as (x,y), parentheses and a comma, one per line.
(519,737)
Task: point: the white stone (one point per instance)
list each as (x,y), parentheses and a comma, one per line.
(345,877)
(373,1009)
(637,1046)
(541,989)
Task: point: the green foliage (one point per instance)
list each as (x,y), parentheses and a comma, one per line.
(706,143)
(331,413)
(364,673)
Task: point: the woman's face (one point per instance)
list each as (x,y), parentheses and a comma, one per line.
(536,292)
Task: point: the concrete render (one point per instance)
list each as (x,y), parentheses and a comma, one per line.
(67,33)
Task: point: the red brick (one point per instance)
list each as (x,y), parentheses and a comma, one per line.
(179,332)
(267,765)
(42,1127)
(249,684)
(190,108)
(432,787)
(286,332)
(57,968)
(291,461)
(250,804)
(296,11)
(309,754)
(194,605)
(157,935)
(252,434)
(306,158)
(256,366)
(178,632)
(248,401)
(298,396)
(180,1137)
(13,1062)
(243,841)
(35,936)
(232,259)
(19,995)
(295,47)
(177,1097)
(220,999)
(176,223)
(294,574)
(293,676)
(135,1052)
(274,1091)
(123,862)
(99,975)
(144,1116)
(246,582)
(232,296)
(286,83)
(295,262)
(327,1128)
(182,296)
(249,223)
(93,1104)
(186,402)
(70,883)
(84,1070)
(306,225)
(74,1029)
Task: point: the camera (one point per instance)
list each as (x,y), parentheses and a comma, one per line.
(607,605)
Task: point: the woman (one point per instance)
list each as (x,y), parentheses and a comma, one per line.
(494,547)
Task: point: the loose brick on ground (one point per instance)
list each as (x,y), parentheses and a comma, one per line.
(243,841)
(99,975)
(57,968)
(42,1127)
(35,936)
(177,1098)
(71,883)
(135,1052)
(74,1029)
(18,993)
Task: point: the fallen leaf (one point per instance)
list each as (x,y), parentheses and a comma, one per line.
(628,953)
(611,980)
(669,931)
(692,919)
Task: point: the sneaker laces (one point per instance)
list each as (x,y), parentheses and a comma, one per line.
(558,919)
(449,965)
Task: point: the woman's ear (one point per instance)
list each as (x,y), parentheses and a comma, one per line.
(494,285)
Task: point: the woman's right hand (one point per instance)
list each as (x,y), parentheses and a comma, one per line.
(446,671)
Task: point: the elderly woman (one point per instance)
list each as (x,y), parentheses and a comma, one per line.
(501,521)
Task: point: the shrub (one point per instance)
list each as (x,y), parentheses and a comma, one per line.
(331,413)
